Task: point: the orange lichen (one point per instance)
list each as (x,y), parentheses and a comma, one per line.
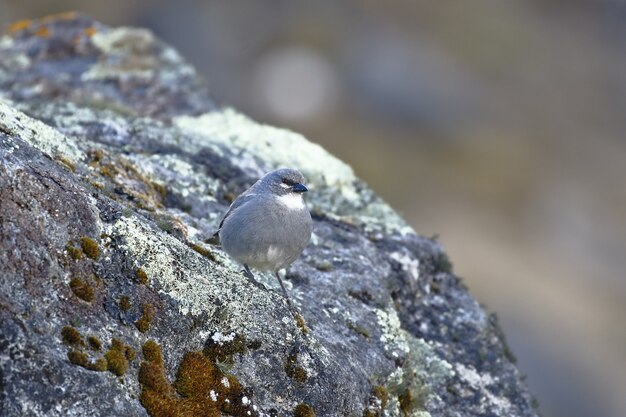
(19,25)
(90,31)
(43,32)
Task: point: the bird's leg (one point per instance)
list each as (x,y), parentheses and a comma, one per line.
(285,293)
(297,316)
(248,274)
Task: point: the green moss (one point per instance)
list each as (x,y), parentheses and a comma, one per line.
(94,343)
(71,336)
(82,289)
(67,163)
(142,277)
(116,362)
(144,322)
(195,373)
(75,253)
(223,352)
(293,370)
(96,155)
(116,358)
(152,352)
(160,189)
(125,304)
(81,359)
(254,344)
(203,251)
(200,388)
(99,365)
(377,402)
(90,247)
(77,358)
(130,353)
(303,410)
(381,393)
(157,396)
(301,323)
(406,402)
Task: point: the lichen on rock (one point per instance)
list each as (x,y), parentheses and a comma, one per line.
(113,178)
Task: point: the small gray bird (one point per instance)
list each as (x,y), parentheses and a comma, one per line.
(268,226)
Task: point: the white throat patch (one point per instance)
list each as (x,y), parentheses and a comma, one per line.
(293,201)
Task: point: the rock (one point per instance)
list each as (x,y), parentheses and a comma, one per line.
(115,169)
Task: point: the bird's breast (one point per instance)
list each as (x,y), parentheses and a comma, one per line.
(292,201)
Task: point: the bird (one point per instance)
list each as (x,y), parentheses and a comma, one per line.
(268,226)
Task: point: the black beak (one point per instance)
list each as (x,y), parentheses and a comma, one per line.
(299,188)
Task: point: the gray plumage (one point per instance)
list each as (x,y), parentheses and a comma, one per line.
(268,226)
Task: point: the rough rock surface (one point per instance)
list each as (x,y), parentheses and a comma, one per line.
(115,167)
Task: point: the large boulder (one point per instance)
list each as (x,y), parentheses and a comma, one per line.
(115,168)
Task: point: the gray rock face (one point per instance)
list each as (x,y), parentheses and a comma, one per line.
(115,167)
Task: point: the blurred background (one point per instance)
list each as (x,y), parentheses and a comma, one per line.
(498,125)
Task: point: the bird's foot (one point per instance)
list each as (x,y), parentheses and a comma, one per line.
(248,274)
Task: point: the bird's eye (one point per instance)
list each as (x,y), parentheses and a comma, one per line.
(288,182)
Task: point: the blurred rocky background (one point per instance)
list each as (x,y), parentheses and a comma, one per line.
(500,126)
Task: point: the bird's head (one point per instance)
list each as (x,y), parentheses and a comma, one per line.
(284,181)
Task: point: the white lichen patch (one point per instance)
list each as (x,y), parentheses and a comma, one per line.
(123,39)
(423,373)
(13,60)
(129,51)
(190,280)
(221,338)
(6,42)
(183,178)
(479,382)
(392,335)
(278,147)
(40,135)
(334,187)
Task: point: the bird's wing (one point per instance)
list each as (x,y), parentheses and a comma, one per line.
(239,201)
